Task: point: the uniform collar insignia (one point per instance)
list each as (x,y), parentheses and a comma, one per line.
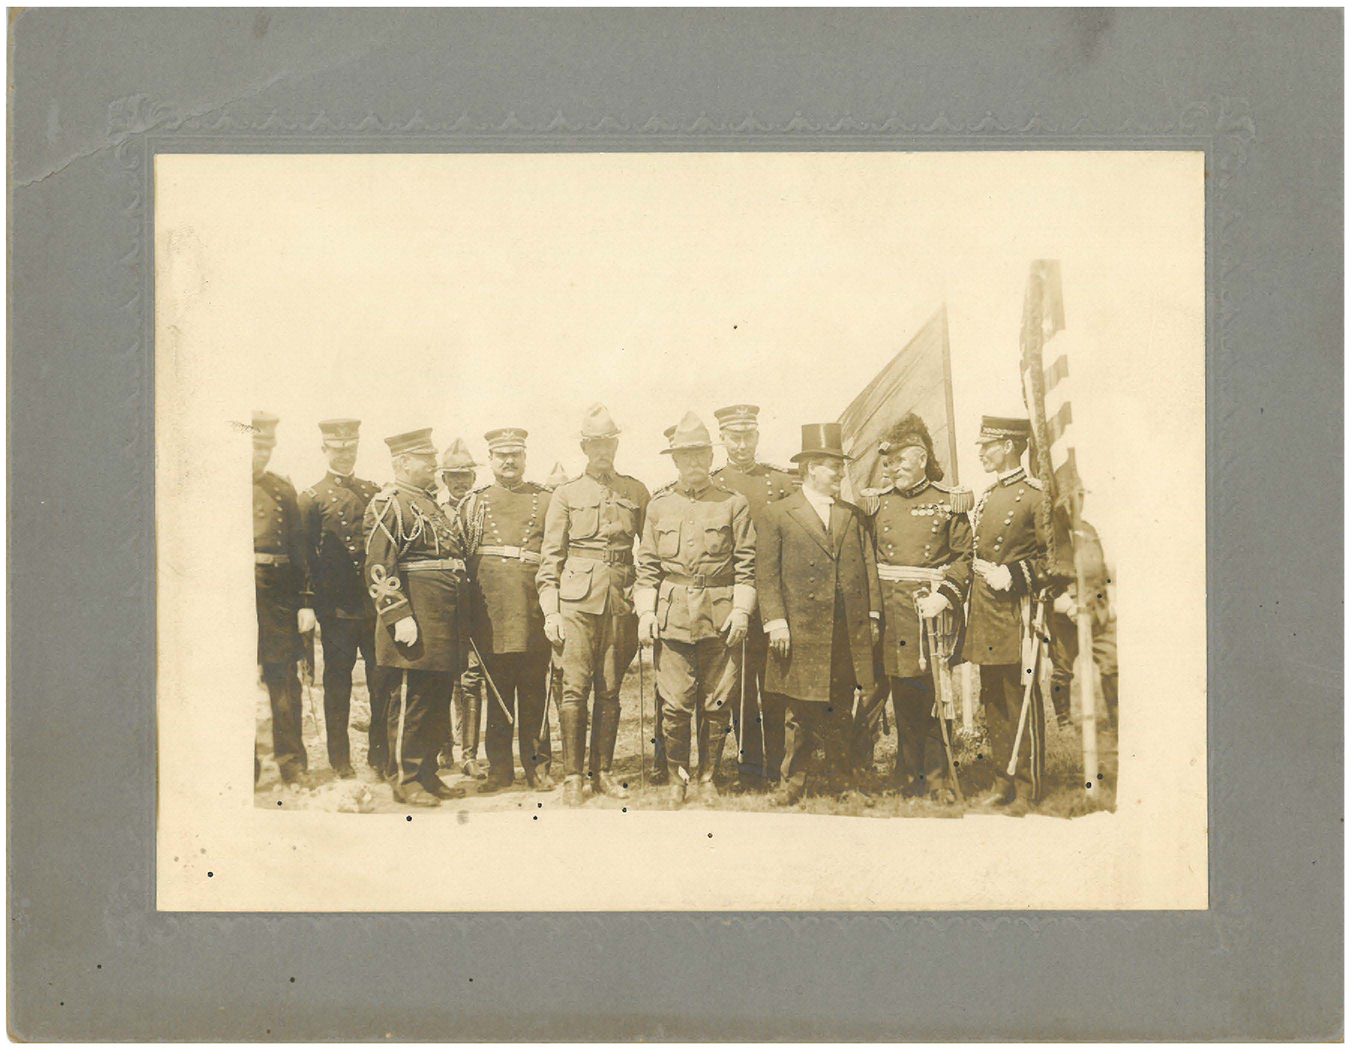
(606,476)
(1013,475)
(914,489)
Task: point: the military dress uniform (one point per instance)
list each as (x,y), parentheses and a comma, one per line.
(761,484)
(695,568)
(333,511)
(923,544)
(464,720)
(415,568)
(1008,531)
(504,531)
(282,581)
(586,575)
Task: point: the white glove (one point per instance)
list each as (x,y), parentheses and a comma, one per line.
(304,619)
(647,628)
(935,604)
(736,627)
(553,629)
(999,577)
(405,631)
(1066,606)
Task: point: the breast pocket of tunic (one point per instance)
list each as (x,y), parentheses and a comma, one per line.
(584,520)
(717,540)
(668,540)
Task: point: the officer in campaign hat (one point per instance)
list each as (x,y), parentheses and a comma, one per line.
(416,573)
(332,510)
(922,537)
(585,582)
(503,526)
(761,740)
(464,719)
(696,591)
(285,599)
(1010,576)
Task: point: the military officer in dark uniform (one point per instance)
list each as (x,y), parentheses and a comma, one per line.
(761,484)
(416,573)
(922,537)
(503,525)
(585,584)
(463,720)
(333,510)
(696,591)
(1010,576)
(285,600)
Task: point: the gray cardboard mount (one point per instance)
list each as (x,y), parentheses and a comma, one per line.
(96,93)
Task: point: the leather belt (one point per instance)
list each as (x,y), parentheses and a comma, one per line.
(611,557)
(259,558)
(700,581)
(432,565)
(909,573)
(510,553)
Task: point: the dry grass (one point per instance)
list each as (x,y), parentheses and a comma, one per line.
(1065,793)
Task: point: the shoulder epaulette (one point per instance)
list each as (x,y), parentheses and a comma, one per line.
(484,488)
(664,489)
(1035,483)
(311,492)
(774,466)
(962,499)
(875,491)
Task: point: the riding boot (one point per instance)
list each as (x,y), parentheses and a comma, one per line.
(572,724)
(711,744)
(603,739)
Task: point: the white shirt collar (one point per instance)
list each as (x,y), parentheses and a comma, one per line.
(820,504)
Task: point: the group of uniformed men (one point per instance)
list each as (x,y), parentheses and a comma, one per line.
(779,613)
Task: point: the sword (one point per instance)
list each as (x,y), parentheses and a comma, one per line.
(1037,628)
(483,664)
(930,631)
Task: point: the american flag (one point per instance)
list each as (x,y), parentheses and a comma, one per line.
(1045,386)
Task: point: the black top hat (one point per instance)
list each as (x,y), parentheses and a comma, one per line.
(822,439)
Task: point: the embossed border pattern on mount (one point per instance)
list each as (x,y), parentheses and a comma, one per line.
(140,127)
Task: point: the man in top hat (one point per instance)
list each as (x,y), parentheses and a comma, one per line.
(1010,575)
(285,599)
(695,591)
(503,526)
(332,510)
(922,538)
(458,475)
(416,573)
(821,602)
(761,740)
(585,584)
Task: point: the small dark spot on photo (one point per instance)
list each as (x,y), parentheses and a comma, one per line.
(292,980)
(535,817)
(710,834)
(210,874)
(409,818)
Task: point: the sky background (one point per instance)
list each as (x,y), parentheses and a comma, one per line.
(474,291)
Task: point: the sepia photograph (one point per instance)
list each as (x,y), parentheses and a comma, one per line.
(602,501)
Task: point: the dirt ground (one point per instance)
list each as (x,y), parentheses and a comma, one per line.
(1065,796)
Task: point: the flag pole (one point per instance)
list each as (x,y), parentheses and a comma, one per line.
(1087,689)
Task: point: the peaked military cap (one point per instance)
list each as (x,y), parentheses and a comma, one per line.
(417,442)
(996,428)
(340,433)
(738,417)
(822,439)
(598,423)
(689,435)
(457,456)
(265,429)
(506,439)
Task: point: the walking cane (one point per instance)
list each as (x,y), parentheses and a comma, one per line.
(642,722)
(1037,626)
(495,692)
(740,735)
